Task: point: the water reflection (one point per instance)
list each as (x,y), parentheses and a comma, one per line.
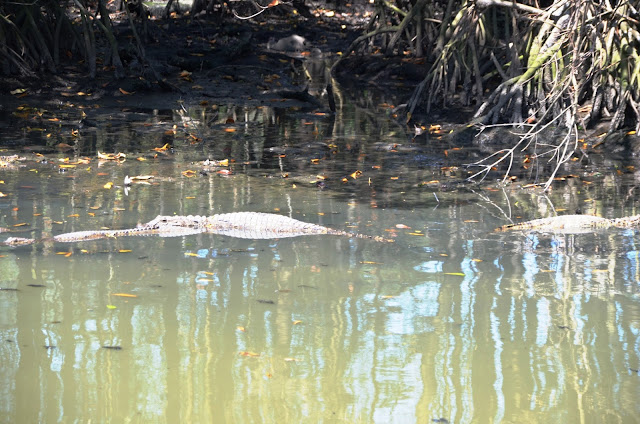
(452,323)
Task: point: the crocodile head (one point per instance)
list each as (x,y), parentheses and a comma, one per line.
(166,222)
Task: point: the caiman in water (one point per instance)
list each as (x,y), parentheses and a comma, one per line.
(251,225)
(573,224)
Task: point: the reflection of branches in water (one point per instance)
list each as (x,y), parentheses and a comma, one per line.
(490,202)
(561,153)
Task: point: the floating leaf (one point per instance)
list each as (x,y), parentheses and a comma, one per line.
(108,185)
(402,226)
(126,93)
(111,156)
(297,321)
(124,295)
(292,360)
(164,148)
(111,306)
(371,263)
(22,224)
(240,328)
(141,178)
(124,250)
(455,273)
(189,173)
(356,174)
(249,354)
(75,215)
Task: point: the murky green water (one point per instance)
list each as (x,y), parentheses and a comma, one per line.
(451,323)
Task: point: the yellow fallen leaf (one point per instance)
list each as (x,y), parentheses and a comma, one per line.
(249,354)
(296,322)
(240,328)
(166,147)
(454,273)
(124,295)
(141,178)
(124,250)
(111,156)
(108,185)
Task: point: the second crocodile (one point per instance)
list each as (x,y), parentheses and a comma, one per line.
(573,224)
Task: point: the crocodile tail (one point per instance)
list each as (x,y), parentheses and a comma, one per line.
(358,235)
(508,227)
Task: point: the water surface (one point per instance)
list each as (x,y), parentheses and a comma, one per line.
(451,323)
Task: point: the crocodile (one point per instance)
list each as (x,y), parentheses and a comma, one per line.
(572,224)
(251,225)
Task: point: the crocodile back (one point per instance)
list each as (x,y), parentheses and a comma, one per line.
(258,225)
(561,224)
